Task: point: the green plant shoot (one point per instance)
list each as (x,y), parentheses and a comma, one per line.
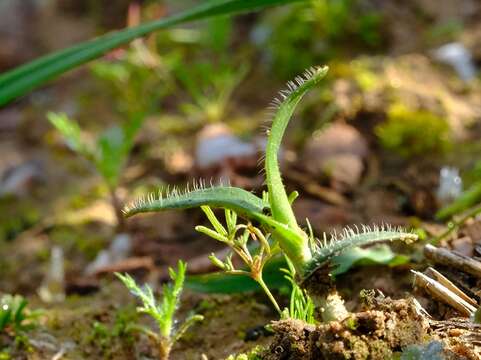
(15,318)
(239,244)
(163,313)
(274,211)
(109,153)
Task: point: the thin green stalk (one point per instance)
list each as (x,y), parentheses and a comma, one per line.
(297,249)
(279,201)
(264,287)
(455,224)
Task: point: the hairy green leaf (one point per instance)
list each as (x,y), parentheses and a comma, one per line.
(325,251)
(376,255)
(239,200)
(279,201)
(296,247)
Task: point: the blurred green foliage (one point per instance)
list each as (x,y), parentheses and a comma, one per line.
(16,218)
(104,335)
(136,79)
(16,319)
(443,32)
(411,132)
(470,197)
(109,152)
(294,38)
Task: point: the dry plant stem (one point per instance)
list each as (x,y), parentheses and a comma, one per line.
(448,258)
(164,348)
(442,293)
(433,273)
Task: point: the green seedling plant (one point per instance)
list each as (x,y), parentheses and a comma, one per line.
(301,306)
(209,85)
(15,318)
(273,213)
(164,312)
(108,153)
(210,89)
(137,70)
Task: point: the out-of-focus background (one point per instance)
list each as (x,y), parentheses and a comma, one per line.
(391,136)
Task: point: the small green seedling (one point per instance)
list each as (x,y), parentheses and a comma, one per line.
(15,318)
(162,313)
(273,214)
(109,153)
(209,85)
(210,89)
(301,306)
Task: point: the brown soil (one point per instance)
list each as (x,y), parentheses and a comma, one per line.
(383,329)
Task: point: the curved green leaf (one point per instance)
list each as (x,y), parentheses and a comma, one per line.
(349,238)
(467,199)
(375,255)
(24,78)
(278,199)
(236,199)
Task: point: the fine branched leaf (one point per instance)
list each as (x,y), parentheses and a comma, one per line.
(71,132)
(24,78)
(164,312)
(113,149)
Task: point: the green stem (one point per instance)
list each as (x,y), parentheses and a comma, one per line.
(453,225)
(297,249)
(264,287)
(279,201)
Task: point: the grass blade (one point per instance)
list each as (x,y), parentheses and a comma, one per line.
(21,80)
